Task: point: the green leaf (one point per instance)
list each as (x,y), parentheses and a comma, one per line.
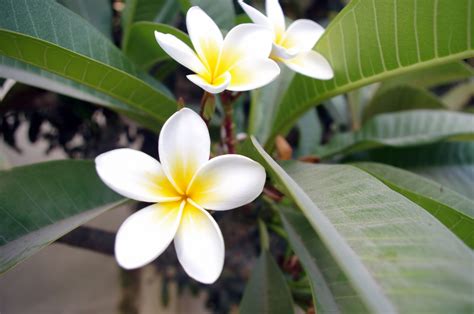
(266,291)
(431,77)
(46,35)
(310,133)
(315,258)
(402,129)
(263,103)
(97,12)
(450,164)
(221,11)
(42,202)
(374,40)
(160,11)
(401,98)
(34,76)
(142,47)
(454,210)
(393,252)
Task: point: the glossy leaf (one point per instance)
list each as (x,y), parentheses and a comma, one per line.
(142,47)
(34,76)
(402,129)
(42,202)
(393,252)
(454,210)
(221,11)
(401,98)
(29,32)
(97,12)
(374,40)
(450,164)
(159,11)
(267,291)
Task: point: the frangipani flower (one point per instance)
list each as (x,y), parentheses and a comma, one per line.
(240,62)
(292,46)
(181,186)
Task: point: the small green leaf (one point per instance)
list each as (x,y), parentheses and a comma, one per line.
(266,291)
(402,129)
(454,210)
(42,202)
(142,47)
(48,36)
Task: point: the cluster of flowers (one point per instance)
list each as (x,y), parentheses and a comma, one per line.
(186,182)
(247,57)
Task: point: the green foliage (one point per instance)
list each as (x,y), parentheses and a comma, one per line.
(401,98)
(402,129)
(29,33)
(42,202)
(393,252)
(97,12)
(266,291)
(450,164)
(142,47)
(374,40)
(37,77)
(454,210)
(159,11)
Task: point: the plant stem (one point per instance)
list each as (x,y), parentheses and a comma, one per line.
(204,100)
(228,99)
(264,237)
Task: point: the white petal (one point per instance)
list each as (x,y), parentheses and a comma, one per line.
(179,51)
(184,146)
(302,35)
(245,41)
(199,245)
(275,15)
(205,36)
(219,86)
(135,175)
(252,73)
(283,53)
(227,182)
(147,233)
(312,64)
(256,16)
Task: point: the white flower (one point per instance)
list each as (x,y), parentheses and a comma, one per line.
(182,185)
(292,46)
(240,62)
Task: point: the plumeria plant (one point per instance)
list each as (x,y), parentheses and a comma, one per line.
(281,157)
